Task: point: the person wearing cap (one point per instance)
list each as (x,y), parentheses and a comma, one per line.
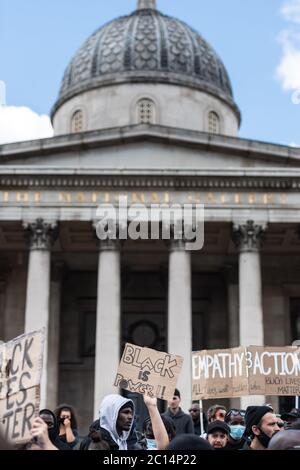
(217,434)
(291,417)
(182,421)
(116,420)
(261,424)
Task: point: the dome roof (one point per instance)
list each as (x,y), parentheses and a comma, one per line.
(146,46)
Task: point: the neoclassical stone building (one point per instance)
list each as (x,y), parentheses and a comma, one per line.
(145,111)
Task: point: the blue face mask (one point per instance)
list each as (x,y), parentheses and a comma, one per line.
(237,431)
(151,444)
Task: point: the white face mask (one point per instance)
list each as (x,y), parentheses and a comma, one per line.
(237,431)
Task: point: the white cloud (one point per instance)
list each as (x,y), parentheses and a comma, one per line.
(288,70)
(290,10)
(21,123)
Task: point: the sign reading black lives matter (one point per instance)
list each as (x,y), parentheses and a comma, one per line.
(255,370)
(21,362)
(146,371)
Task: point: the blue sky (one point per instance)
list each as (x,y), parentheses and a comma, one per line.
(253,37)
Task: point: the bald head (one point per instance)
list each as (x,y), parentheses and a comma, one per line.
(284,440)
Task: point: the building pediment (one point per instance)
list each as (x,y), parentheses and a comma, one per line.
(148,148)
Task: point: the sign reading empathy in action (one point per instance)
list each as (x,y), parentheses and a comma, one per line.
(146,371)
(255,370)
(21,362)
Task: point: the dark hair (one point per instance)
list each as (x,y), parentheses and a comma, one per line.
(168,423)
(97,442)
(65,407)
(211,412)
(177,393)
(189,442)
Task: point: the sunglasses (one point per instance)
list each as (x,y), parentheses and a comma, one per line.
(235,412)
(193,410)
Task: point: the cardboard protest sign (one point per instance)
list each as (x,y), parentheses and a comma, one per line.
(21,362)
(146,371)
(219,373)
(274,371)
(237,372)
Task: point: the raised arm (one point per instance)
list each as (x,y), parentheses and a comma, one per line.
(39,432)
(158,427)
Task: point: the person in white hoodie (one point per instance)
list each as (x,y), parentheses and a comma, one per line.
(116,420)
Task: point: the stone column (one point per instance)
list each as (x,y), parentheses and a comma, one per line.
(180,315)
(248,239)
(54,334)
(41,235)
(232,281)
(2,306)
(231,276)
(108,331)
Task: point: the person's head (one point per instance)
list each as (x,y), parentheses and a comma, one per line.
(217,434)
(195,412)
(65,411)
(189,442)
(286,440)
(125,418)
(174,403)
(236,421)
(261,423)
(50,419)
(168,423)
(291,417)
(116,415)
(234,417)
(216,412)
(97,443)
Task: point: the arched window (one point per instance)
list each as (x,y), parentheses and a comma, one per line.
(213,123)
(146,111)
(77,121)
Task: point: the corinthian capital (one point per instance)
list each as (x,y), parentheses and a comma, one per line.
(40,234)
(248,237)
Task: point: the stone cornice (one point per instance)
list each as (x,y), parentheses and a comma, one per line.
(250,149)
(222,180)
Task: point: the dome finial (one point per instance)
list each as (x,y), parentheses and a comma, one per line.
(144,4)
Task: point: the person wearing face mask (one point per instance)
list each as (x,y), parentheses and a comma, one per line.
(158,430)
(261,425)
(53,429)
(68,428)
(236,422)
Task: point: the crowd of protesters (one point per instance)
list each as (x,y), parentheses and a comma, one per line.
(256,428)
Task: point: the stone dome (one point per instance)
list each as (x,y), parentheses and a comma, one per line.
(146,46)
